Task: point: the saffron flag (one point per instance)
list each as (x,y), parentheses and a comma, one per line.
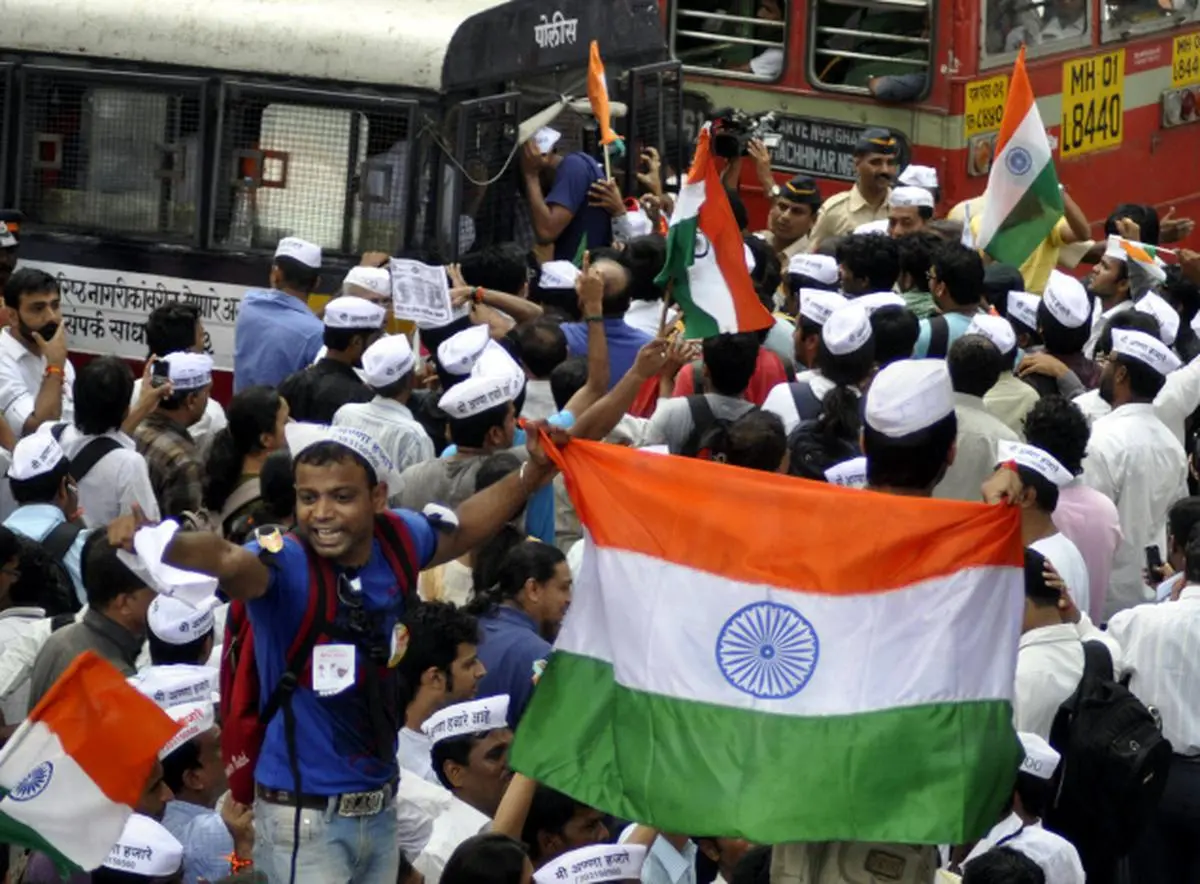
(597,90)
(77,766)
(706,257)
(716,675)
(1022,203)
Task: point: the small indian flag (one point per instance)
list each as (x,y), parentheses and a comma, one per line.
(1139,253)
(1022,202)
(706,258)
(597,89)
(780,660)
(76,767)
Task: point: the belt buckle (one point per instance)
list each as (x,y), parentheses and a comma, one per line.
(356,804)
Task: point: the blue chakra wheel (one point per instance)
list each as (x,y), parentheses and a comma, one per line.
(767,650)
(34,783)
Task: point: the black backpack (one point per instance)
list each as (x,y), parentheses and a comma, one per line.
(709,432)
(1114,762)
(813,451)
(45,582)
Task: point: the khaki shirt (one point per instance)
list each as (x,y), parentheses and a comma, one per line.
(799,247)
(842,213)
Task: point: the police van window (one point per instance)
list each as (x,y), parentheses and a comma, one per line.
(742,38)
(116,155)
(1043,26)
(880,48)
(336,176)
(1123,18)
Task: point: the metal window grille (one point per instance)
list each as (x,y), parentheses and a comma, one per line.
(6,111)
(855,39)
(483,211)
(720,38)
(332,169)
(654,97)
(111,153)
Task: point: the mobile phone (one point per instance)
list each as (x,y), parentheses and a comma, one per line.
(1153,560)
(160,373)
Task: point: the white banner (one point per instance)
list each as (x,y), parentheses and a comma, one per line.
(105,311)
(420,292)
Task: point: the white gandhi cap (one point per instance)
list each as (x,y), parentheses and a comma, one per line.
(995,329)
(816,305)
(145,849)
(476,395)
(1067,299)
(872,228)
(375,280)
(847,330)
(1041,759)
(1023,307)
(911,197)
(821,268)
(463,719)
(299,250)
(1032,458)
(457,354)
(878,300)
(351,312)
(176,622)
(189,371)
(34,456)
(919,176)
(387,361)
(495,362)
(1146,349)
(909,396)
(1168,318)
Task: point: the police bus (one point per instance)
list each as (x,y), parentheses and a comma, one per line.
(159,151)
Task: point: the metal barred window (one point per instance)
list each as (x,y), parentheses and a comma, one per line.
(480,199)
(654,97)
(737,38)
(853,43)
(6,92)
(334,169)
(1042,26)
(110,153)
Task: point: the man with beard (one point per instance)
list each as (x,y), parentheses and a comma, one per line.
(35,377)
(867,200)
(794,208)
(520,617)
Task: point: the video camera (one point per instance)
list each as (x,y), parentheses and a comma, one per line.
(733,130)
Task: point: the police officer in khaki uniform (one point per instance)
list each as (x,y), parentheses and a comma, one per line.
(867,200)
(794,208)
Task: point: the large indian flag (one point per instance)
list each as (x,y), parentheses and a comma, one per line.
(765,657)
(75,769)
(706,258)
(1022,202)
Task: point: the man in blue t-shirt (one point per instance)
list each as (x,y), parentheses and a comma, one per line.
(344,705)
(563,204)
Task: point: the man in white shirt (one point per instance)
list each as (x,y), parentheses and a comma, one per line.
(387,366)
(1050,653)
(787,399)
(36,379)
(1162,655)
(108,470)
(1134,459)
(439,668)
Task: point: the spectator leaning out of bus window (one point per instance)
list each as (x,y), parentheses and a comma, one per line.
(177,328)
(558,189)
(276,334)
(36,379)
(867,200)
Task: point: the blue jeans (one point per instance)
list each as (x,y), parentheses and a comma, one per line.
(360,850)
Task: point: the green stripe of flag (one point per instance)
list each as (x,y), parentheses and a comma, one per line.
(681,254)
(1030,221)
(896,775)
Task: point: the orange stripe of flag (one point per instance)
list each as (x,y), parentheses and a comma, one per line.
(764,528)
(1017,105)
(111,731)
(598,95)
(1135,251)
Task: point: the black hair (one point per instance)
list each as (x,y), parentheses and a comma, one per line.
(960,269)
(104,575)
(871,257)
(549,811)
(543,346)
(1003,865)
(396,387)
(1144,216)
(1057,425)
(325,453)
(1036,588)
(1144,382)
(470,432)
(847,369)
(1035,793)
(1182,517)
(456,749)
(296,275)
(1060,339)
(1127,320)
(1180,292)
(998,280)
(895,330)
(40,489)
(1045,491)
(485,566)
(171,328)
(644,257)
(178,399)
(277,488)
(975,365)
(27,281)
(102,391)
(10,545)
(528,560)
(914,252)
(251,412)
(913,462)
(502,267)
(435,630)
(754,867)
(767,273)
(829,246)
(181,760)
(740,215)
(567,379)
(195,653)
(731,360)
(1192,556)
(341,339)
(756,441)
(797,281)
(486,859)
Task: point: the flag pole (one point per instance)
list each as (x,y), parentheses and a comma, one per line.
(607,164)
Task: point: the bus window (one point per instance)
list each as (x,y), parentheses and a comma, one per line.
(1127,17)
(877,47)
(1043,26)
(124,158)
(745,38)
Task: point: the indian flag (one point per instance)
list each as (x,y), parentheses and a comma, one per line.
(1139,253)
(757,656)
(706,258)
(74,770)
(1022,202)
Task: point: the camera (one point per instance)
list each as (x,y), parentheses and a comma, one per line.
(733,130)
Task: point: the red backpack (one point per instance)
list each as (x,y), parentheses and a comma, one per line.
(244,715)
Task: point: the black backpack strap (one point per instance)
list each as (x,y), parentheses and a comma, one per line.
(702,419)
(697,377)
(1097,662)
(91,454)
(57,430)
(939,338)
(808,406)
(59,540)
(399,553)
(59,621)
